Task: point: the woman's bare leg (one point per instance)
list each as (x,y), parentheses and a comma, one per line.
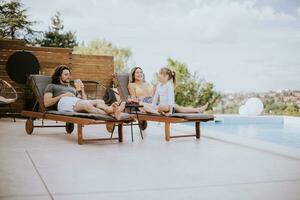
(155,110)
(163,109)
(148,107)
(191,109)
(182,109)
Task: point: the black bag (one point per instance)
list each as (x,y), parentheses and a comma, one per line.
(109,96)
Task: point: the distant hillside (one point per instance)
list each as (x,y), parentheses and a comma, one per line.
(275,102)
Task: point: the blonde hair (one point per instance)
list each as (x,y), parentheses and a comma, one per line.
(170,73)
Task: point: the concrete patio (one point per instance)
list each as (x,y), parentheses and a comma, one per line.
(51,165)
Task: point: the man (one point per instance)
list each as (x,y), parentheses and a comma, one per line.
(67,99)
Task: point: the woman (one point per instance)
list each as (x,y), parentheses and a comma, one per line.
(138,87)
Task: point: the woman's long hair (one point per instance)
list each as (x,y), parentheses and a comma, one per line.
(57,73)
(132,74)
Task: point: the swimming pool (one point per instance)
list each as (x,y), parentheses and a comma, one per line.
(278,130)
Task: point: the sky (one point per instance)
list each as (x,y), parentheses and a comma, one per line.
(239,45)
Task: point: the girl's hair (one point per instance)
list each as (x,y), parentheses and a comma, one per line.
(133,73)
(57,73)
(170,73)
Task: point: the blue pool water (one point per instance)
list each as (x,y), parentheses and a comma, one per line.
(269,129)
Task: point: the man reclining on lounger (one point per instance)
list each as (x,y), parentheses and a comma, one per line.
(67,99)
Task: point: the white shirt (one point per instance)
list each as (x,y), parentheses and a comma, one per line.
(164,94)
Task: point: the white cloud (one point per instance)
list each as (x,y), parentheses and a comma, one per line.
(238,45)
(298,10)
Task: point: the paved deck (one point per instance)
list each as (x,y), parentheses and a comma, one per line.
(50,165)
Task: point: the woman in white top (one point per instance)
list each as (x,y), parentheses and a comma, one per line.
(164,98)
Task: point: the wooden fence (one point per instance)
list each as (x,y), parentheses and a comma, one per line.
(85,67)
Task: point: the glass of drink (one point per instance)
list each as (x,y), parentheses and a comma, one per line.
(129,99)
(135,100)
(77,84)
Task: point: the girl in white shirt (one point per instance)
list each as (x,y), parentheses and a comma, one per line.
(164,98)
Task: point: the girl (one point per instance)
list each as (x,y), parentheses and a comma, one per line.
(164,98)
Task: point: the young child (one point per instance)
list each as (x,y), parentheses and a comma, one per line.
(164,98)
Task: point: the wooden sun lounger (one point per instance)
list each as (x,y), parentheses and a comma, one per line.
(39,83)
(121,81)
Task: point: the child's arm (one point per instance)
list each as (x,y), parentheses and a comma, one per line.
(154,86)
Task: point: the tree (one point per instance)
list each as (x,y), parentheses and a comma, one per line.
(292,110)
(190,89)
(103,47)
(56,36)
(14,22)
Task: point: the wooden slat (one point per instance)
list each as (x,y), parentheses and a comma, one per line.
(62,118)
(30,48)
(85,67)
(83,56)
(9,43)
(161,118)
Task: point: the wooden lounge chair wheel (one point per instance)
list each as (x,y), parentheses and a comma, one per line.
(144,125)
(69,127)
(29,126)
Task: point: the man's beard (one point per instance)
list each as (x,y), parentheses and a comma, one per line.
(66,81)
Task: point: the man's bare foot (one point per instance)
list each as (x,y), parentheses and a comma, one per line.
(203,108)
(114,104)
(119,110)
(111,109)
